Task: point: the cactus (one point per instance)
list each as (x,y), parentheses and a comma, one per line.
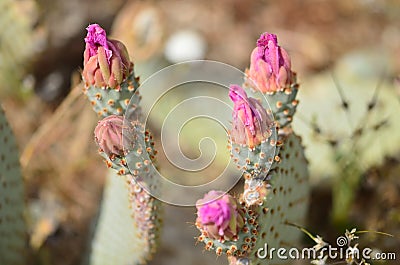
(367,118)
(117,240)
(268,152)
(271,157)
(286,201)
(253,134)
(108,74)
(270,73)
(13,229)
(127,148)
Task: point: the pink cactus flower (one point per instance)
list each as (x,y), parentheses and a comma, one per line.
(270,66)
(219,215)
(251,123)
(106,62)
(108,135)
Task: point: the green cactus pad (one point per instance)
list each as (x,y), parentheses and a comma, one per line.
(256,161)
(140,156)
(107,101)
(246,238)
(147,214)
(127,227)
(282,103)
(13,237)
(286,201)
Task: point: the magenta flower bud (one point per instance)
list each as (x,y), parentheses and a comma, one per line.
(251,123)
(219,215)
(106,62)
(108,135)
(270,66)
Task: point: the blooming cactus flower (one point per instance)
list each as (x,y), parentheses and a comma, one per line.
(108,135)
(219,215)
(106,62)
(251,122)
(270,66)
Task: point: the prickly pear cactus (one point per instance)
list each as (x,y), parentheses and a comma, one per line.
(129,222)
(272,160)
(267,222)
(13,237)
(119,240)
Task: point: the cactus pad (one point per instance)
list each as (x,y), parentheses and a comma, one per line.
(13,237)
(107,101)
(286,201)
(123,236)
(282,103)
(256,161)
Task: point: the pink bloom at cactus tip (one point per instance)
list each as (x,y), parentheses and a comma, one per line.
(219,215)
(270,66)
(251,123)
(108,135)
(106,62)
(96,37)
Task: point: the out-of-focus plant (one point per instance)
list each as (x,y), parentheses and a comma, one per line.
(13,228)
(352,133)
(17,42)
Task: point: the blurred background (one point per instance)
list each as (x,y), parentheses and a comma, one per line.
(346,55)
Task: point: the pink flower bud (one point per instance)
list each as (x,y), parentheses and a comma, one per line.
(251,123)
(270,66)
(106,62)
(219,215)
(108,135)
